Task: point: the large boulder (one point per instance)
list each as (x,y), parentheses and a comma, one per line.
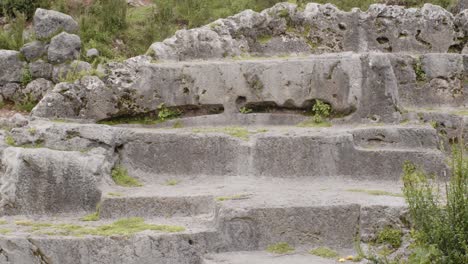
(88,98)
(64,47)
(44,181)
(48,23)
(11,67)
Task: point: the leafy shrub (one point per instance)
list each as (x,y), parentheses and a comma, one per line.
(441,228)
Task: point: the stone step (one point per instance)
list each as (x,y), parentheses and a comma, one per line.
(65,239)
(262,257)
(375,153)
(251,214)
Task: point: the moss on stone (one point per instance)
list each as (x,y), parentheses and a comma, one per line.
(280,248)
(324,252)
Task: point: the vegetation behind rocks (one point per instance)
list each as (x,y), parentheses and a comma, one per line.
(120,31)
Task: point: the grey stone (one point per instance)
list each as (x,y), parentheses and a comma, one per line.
(33,50)
(91,53)
(286,29)
(11,66)
(48,23)
(41,181)
(38,88)
(41,69)
(10,91)
(64,47)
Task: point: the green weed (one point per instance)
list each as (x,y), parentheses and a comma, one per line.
(121,177)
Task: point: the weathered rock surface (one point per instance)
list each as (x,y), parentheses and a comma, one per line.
(48,23)
(370,86)
(11,67)
(43,181)
(33,50)
(64,47)
(41,69)
(287,29)
(37,89)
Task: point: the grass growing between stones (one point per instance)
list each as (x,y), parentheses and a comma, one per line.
(115,194)
(280,248)
(122,227)
(4,231)
(172,182)
(375,192)
(324,252)
(3,222)
(311,123)
(233,197)
(237,132)
(10,141)
(121,177)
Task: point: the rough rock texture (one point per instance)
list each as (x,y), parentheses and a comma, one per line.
(33,50)
(41,181)
(287,29)
(38,88)
(63,71)
(48,23)
(370,86)
(41,69)
(64,47)
(11,67)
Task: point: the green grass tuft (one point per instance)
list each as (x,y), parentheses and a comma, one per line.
(122,227)
(324,252)
(280,248)
(375,192)
(10,141)
(172,182)
(121,177)
(4,231)
(115,194)
(233,197)
(91,217)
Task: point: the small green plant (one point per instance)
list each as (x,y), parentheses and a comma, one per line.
(121,177)
(165,113)
(26,77)
(321,111)
(10,141)
(27,104)
(115,194)
(245,110)
(3,222)
(280,248)
(324,252)
(172,182)
(441,225)
(4,231)
(264,39)
(418,70)
(94,216)
(91,217)
(390,236)
(32,131)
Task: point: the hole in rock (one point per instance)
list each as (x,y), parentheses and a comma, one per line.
(382,40)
